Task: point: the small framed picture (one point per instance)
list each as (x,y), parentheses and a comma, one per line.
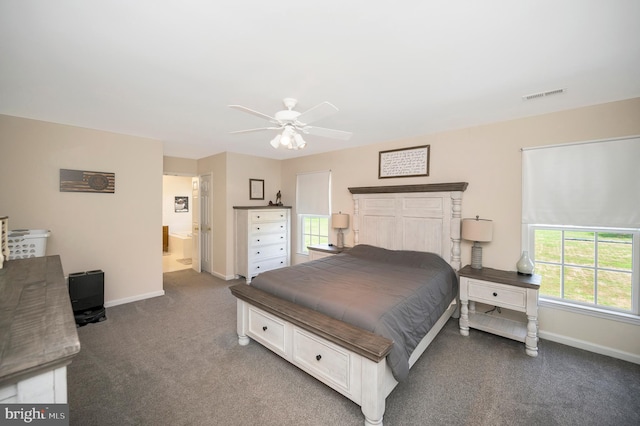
(256,189)
(182,204)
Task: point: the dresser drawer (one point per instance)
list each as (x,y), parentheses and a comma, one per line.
(269,227)
(261,240)
(267,216)
(322,359)
(267,329)
(259,253)
(498,295)
(268,264)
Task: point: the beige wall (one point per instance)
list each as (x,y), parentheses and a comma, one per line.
(216,166)
(230,175)
(180,166)
(488,158)
(119,233)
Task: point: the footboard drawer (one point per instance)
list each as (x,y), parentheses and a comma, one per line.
(322,359)
(268,330)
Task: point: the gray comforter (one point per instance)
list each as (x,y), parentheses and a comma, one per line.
(396,294)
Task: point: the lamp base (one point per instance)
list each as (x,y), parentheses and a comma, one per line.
(340,242)
(476,256)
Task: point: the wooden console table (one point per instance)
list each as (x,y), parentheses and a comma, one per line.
(38,336)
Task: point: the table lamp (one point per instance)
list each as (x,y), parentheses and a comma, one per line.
(479,231)
(340,221)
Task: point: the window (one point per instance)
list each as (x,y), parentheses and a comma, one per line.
(587,266)
(314,229)
(313,207)
(581,217)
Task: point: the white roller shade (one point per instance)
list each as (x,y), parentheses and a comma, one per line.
(585,184)
(313,193)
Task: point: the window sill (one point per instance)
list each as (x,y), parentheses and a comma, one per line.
(590,311)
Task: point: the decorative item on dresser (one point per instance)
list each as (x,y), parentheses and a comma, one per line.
(517,294)
(479,231)
(399,221)
(262,239)
(525,265)
(340,221)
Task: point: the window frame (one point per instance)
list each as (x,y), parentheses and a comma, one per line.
(302,246)
(601,311)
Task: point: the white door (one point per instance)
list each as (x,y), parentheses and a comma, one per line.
(205,223)
(195,225)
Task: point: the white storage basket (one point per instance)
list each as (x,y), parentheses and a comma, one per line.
(26,243)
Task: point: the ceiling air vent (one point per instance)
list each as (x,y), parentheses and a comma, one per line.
(543,94)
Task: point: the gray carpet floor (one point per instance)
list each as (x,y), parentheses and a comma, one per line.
(175,360)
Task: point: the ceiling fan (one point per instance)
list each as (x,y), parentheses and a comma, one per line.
(293,124)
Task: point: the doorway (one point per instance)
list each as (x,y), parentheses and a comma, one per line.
(177,213)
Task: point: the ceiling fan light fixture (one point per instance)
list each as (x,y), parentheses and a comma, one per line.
(293,124)
(275,142)
(300,143)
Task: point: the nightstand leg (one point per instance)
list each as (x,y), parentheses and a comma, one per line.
(531,341)
(464,317)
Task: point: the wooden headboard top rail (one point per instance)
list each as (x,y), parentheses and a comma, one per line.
(430,187)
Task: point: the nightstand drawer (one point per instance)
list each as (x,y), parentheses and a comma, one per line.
(498,295)
(267,329)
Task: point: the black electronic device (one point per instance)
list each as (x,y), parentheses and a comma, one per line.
(86,291)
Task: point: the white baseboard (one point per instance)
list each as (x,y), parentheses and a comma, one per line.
(116,302)
(224,277)
(591,347)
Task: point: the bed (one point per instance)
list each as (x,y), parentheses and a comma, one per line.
(364,353)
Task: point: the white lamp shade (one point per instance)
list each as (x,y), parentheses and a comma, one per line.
(340,221)
(477,229)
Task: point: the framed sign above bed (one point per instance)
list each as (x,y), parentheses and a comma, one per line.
(404,162)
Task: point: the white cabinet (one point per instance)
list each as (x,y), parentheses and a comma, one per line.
(493,290)
(262,239)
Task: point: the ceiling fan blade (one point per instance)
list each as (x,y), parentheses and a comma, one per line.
(258,129)
(319,111)
(327,133)
(252,112)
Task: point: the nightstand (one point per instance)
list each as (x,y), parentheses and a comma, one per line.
(514,297)
(318,251)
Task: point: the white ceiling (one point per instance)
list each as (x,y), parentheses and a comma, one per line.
(168,69)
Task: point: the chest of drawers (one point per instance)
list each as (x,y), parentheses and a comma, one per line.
(262,238)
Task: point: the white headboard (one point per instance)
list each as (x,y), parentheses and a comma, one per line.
(410,217)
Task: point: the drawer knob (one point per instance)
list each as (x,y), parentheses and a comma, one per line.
(257,252)
(258,228)
(258,240)
(495,294)
(318,357)
(264,328)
